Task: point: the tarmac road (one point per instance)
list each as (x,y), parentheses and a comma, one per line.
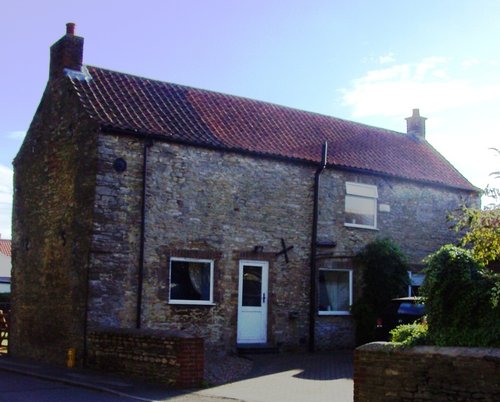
(23,388)
(301,377)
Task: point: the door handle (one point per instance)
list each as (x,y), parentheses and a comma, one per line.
(263,298)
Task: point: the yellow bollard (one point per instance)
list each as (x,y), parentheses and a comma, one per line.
(71,358)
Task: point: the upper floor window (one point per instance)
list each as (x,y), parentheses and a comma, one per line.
(191,281)
(361,205)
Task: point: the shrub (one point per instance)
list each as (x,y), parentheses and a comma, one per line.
(410,334)
(385,276)
(461,300)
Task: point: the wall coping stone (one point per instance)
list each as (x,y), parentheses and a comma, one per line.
(455,351)
(140,332)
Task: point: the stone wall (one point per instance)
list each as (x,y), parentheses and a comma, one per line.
(221,205)
(54,179)
(213,203)
(383,372)
(412,214)
(171,359)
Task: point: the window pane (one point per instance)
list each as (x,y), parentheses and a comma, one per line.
(360,211)
(190,280)
(334,289)
(365,190)
(252,286)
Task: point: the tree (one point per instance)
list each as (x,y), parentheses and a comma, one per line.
(385,276)
(461,299)
(482,233)
(481,228)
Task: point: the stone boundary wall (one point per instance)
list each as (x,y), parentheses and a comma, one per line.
(385,372)
(155,356)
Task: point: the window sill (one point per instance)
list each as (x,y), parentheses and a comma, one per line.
(330,313)
(353,225)
(190,304)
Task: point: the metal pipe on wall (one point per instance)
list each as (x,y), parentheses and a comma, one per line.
(314,240)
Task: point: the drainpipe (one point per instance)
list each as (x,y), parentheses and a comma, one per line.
(140,273)
(314,241)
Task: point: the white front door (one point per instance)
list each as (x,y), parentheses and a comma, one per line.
(252,302)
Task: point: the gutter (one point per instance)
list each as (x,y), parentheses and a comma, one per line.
(107,129)
(148,143)
(314,244)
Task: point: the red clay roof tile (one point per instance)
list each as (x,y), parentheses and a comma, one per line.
(175,112)
(6,247)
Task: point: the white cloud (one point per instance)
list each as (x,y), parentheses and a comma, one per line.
(16,135)
(462,109)
(387,58)
(467,63)
(395,90)
(6,176)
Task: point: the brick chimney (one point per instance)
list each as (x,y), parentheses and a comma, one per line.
(415,124)
(67,52)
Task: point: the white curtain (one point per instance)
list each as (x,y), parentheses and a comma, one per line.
(196,276)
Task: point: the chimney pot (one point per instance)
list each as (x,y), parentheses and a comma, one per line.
(415,125)
(70,28)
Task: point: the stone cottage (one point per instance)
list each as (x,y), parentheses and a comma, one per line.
(150,205)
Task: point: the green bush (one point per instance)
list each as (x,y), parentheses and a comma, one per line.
(461,300)
(410,334)
(385,276)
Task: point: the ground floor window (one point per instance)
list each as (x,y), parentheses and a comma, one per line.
(416,281)
(335,291)
(191,281)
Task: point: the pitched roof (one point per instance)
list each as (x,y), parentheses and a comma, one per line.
(6,247)
(179,113)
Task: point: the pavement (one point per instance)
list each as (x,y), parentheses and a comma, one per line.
(297,377)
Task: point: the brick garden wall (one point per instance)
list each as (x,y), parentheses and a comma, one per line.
(385,373)
(154,356)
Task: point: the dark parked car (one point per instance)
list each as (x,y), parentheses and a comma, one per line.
(403,310)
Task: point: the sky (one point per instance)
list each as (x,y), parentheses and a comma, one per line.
(362,60)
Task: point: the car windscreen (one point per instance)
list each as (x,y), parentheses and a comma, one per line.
(411,309)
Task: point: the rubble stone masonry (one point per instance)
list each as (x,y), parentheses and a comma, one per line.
(77,233)
(52,226)
(385,373)
(222,205)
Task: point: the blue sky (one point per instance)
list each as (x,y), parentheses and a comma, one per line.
(368,61)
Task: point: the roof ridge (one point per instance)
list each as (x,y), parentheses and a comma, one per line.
(203,117)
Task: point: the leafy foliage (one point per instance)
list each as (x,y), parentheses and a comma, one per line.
(410,334)
(385,276)
(461,299)
(482,233)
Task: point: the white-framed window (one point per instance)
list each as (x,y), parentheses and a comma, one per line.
(191,281)
(416,280)
(335,291)
(361,205)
